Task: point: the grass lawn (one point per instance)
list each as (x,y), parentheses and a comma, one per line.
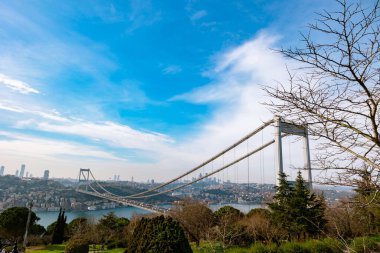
(61,248)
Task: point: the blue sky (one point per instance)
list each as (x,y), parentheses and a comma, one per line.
(136,88)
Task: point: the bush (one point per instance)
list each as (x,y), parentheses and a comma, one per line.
(261,248)
(363,245)
(77,246)
(292,247)
(315,246)
(159,234)
(116,244)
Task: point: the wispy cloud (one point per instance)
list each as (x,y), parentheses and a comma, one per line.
(47,149)
(51,115)
(198,15)
(172,69)
(17,85)
(111,133)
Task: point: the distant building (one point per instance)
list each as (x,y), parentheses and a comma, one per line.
(27,174)
(2,171)
(46,175)
(22,171)
(16,174)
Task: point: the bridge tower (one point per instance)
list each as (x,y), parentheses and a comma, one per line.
(282,128)
(84,177)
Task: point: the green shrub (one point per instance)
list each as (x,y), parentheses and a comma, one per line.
(261,248)
(292,247)
(158,235)
(77,246)
(116,244)
(363,245)
(316,246)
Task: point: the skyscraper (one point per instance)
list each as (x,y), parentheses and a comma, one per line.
(22,171)
(16,174)
(46,175)
(2,171)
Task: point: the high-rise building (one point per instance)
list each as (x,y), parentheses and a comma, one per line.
(46,175)
(22,171)
(16,174)
(27,174)
(2,171)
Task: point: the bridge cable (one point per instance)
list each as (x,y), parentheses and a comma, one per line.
(209,160)
(214,172)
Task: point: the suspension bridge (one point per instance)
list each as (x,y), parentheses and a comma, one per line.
(90,186)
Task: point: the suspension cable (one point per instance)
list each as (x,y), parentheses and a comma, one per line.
(257,130)
(214,172)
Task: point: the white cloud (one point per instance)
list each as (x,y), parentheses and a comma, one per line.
(112,133)
(172,69)
(17,85)
(48,149)
(52,115)
(198,15)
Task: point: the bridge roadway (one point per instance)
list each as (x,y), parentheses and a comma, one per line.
(127,202)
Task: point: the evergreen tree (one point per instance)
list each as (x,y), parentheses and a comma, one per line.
(158,235)
(59,229)
(307,210)
(296,209)
(280,207)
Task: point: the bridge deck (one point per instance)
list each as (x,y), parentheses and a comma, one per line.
(129,202)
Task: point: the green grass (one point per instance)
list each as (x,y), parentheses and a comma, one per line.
(61,248)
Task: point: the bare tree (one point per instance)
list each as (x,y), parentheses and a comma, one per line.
(337,91)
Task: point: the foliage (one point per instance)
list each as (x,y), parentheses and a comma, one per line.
(159,234)
(258,212)
(229,230)
(293,247)
(364,245)
(77,246)
(110,228)
(37,229)
(59,228)
(262,248)
(78,226)
(296,210)
(228,211)
(195,218)
(13,222)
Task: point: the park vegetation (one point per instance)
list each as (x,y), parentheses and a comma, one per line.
(296,220)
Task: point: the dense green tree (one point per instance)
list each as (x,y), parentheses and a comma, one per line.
(230,212)
(59,228)
(158,235)
(296,209)
(280,207)
(308,209)
(13,222)
(111,228)
(37,229)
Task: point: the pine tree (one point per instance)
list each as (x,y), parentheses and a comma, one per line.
(280,208)
(297,210)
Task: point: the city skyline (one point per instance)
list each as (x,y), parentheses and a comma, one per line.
(138,88)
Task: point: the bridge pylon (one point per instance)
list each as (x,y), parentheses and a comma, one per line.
(84,177)
(282,127)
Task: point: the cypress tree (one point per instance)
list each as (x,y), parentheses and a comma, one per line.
(59,229)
